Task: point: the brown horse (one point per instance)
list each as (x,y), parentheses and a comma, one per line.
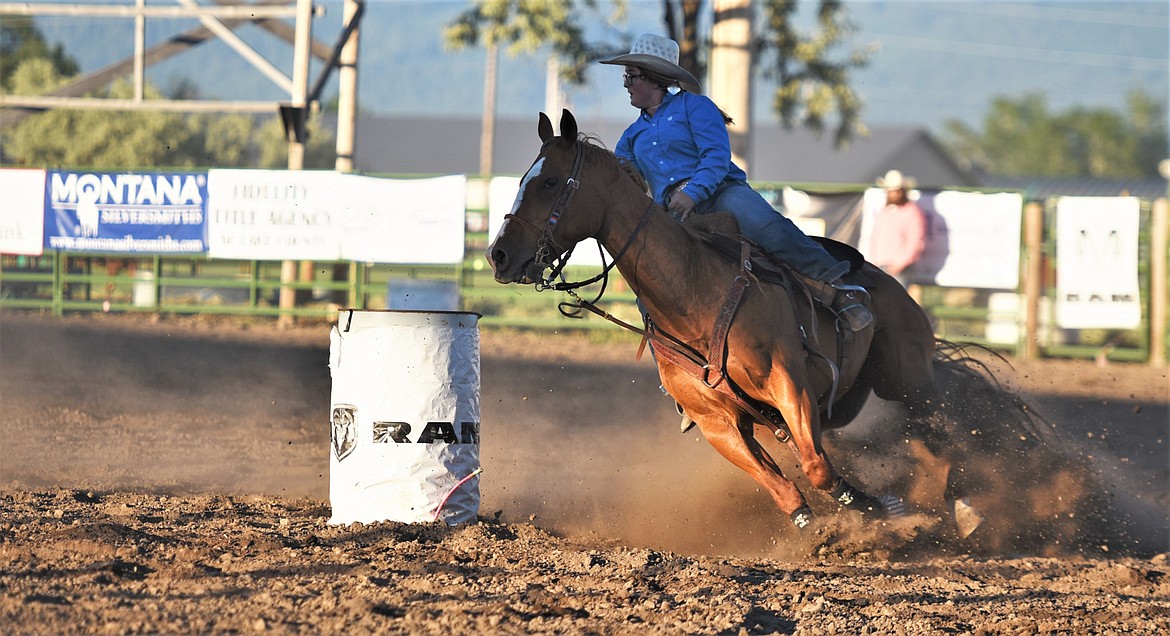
(781,360)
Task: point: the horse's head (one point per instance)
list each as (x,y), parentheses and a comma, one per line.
(540,228)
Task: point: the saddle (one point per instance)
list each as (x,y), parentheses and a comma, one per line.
(768,268)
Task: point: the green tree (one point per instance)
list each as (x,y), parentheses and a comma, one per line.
(1022,137)
(21,40)
(812,88)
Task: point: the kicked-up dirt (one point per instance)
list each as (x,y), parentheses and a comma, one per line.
(171,476)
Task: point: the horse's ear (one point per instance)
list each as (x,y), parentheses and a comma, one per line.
(568,125)
(544,127)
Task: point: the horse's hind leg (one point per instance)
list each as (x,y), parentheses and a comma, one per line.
(733,437)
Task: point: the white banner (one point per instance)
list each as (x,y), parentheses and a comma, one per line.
(22,217)
(325,215)
(973,239)
(413,221)
(274,214)
(1097,263)
(502,196)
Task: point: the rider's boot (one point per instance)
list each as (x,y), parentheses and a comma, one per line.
(849,302)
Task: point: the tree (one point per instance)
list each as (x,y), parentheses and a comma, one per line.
(21,40)
(1021,137)
(812,88)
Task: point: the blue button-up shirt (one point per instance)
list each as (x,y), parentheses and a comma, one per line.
(686,138)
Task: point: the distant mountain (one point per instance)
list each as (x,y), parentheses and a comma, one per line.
(931,61)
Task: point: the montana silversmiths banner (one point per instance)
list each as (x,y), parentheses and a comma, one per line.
(22,217)
(1097,263)
(157,213)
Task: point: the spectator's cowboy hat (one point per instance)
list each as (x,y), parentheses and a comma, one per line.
(895,180)
(657,54)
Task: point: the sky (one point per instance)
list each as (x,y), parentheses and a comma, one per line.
(931,61)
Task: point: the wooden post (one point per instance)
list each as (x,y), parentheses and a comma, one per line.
(730,77)
(1033,278)
(1159,239)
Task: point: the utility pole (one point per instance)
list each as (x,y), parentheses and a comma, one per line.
(297,114)
(347,86)
(487,137)
(729,79)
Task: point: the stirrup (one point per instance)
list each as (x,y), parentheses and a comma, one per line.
(850,304)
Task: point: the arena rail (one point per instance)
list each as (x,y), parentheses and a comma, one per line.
(64,282)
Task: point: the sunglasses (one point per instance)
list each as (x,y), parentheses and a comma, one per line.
(628,79)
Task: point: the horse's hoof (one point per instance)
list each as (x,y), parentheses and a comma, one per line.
(967,518)
(892,507)
(802,517)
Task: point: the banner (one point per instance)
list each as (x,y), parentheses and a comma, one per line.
(409,221)
(275,214)
(22,218)
(1097,261)
(152,213)
(973,239)
(836,215)
(502,196)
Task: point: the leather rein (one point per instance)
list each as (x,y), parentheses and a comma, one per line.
(713,372)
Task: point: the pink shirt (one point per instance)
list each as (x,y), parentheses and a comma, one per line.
(898,237)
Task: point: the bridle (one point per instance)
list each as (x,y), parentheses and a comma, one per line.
(550,255)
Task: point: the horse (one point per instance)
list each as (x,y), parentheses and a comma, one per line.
(737,342)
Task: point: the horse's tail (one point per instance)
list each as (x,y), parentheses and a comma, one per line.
(991,409)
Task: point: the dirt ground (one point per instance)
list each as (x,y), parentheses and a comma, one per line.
(171,476)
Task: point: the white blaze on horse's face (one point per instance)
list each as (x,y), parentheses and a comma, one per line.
(532,173)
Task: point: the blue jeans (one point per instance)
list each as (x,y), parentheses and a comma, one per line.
(773,231)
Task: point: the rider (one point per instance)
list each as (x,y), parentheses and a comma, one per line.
(679,143)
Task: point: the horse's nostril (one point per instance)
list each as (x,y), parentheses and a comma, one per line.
(496,258)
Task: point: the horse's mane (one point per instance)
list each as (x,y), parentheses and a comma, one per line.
(718,231)
(595,147)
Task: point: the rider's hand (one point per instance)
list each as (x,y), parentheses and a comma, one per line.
(681,205)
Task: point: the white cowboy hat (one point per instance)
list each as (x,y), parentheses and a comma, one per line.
(895,180)
(657,54)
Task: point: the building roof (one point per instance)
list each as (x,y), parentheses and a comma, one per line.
(403,145)
(418,146)
(1040,188)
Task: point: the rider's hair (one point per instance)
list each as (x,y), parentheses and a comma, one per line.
(664,82)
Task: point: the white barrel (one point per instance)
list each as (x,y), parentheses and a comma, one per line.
(404,442)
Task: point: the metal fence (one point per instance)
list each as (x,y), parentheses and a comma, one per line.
(64,282)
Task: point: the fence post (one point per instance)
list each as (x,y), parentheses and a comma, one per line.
(1159,231)
(1033,278)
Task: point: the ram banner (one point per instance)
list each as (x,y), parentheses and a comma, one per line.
(156,213)
(1097,261)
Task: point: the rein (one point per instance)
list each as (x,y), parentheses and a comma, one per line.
(546,244)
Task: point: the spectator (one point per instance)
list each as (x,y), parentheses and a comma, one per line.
(898,237)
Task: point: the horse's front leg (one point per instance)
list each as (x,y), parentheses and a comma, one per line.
(803,421)
(731,434)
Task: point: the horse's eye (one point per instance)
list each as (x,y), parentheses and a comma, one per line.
(550,183)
